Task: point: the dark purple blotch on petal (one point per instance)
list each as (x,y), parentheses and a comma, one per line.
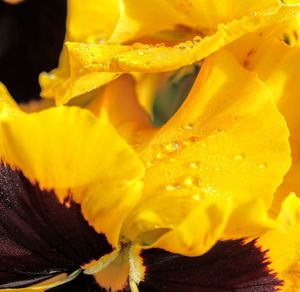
(39,236)
(31,38)
(231,265)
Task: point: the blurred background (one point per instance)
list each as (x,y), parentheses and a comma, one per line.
(31,37)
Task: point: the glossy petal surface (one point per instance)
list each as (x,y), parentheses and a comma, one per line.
(283,244)
(279,70)
(136,17)
(64,156)
(89,66)
(91,159)
(227,144)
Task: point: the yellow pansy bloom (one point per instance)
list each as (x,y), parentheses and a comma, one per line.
(108,194)
(214,163)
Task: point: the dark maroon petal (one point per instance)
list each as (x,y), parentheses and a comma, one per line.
(82,283)
(229,266)
(39,235)
(32,35)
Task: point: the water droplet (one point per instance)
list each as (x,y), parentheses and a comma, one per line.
(173,187)
(188,181)
(197,182)
(137,45)
(196,197)
(159,45)
(181,46)
(262,165)
(189,44)
(194,139)
(189,126)
(195,164)
(172,147)
(197,39)
(239,157)
(209,190)
(149,164)
(192,182)
(159,155)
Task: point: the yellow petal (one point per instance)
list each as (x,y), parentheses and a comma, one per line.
(136,17)
(62,86)
(92,65)
(119,102)
(147,58)
(66,147)
(83,25)
(227,142)
(187,239)
(279,70)
(8,107)
(91,21)
(283,244)
(105,205)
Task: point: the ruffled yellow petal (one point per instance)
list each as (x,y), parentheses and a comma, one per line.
(279,70)
(146,58)
(91,21)
(105,205)
(227,142)
(119,102)
(63,85)
(283,244)
(71,151)
(193,240)
(91,65)
(67,147)
(136,17)
(83,25)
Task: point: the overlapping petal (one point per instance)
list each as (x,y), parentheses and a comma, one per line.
(119,102)
(202,17)
(91,21)
(227,145)
(89,66)
(91,160)
(279,71)
(283,244)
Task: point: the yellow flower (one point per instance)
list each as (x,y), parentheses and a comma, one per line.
(106,193)
(178,38)
(210,175)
